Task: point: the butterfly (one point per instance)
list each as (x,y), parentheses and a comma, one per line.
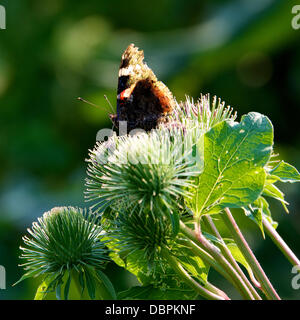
(142,101)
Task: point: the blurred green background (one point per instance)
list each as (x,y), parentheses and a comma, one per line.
(244,51)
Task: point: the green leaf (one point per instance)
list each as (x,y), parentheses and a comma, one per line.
(259,210)
(238,256)
(285,172)
(211,237)
(67,287)
(81,282)
(58,291)
(255,214)
(90,284)
(266,212)
(192,263)
(175,218)
(256,211)
(264,205)
(234,157)
(160,274)
(24,277)
(272,191)
(107,284)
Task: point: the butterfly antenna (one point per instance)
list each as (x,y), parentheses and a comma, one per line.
(88,102)
(111,107)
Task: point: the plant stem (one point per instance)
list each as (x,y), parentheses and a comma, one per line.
(284,248)
(226,252)
(205,245)
(241,242)
(208,291)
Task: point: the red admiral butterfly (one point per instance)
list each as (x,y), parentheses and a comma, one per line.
(142,101)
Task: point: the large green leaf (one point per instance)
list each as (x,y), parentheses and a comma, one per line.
(234,157)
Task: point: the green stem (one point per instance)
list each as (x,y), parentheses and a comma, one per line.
(215,253)
(284,248)
(226,252)
(208,291)
(241,242)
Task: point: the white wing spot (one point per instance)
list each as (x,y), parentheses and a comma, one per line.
(126,71)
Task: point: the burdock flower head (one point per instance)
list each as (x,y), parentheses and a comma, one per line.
(65,244)
(144,233)
(148,171)
(204,113)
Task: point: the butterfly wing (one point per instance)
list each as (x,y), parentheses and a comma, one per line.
(142,100)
